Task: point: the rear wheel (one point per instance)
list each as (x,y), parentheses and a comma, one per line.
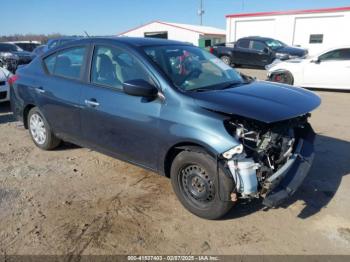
(40,131)
(226,59)
(194,180)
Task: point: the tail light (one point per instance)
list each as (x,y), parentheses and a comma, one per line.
(12,79)
(211,50)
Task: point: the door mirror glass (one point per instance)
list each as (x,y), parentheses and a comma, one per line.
(139,87)
(316,60)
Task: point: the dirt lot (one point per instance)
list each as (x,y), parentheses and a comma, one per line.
(76,201)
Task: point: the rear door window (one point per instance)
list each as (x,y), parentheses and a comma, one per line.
(50,63)
(53,44)
(67,63)
(244,43)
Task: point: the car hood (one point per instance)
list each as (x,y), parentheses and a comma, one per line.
(294,51)
(263,101)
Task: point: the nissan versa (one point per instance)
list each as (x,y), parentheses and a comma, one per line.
(175,109)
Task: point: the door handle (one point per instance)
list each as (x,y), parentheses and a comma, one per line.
(40,90)
(92,103)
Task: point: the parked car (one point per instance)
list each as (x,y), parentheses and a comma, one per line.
(256,51)
(4,88)
(39,50)
(28,46)
(175,109)
(329,69)
(12,56)
(54,42)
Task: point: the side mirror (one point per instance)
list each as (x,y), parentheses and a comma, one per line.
(316,60)
(266,50)
(139,87)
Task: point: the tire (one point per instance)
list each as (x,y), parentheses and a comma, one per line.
(285,77)
(194,181)
(226,59)
(40,130)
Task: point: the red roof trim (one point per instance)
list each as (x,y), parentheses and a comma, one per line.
(137,27)
(164,23)
(292,12)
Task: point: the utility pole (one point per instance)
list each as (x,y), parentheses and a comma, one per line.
(201,12)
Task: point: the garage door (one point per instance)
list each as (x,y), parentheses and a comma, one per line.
(319,33)
(265,28)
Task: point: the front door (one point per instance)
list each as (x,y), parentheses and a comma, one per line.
(260,53)
(124,125)
(331,70)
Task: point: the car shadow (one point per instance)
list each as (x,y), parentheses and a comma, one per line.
(67,146)
(6,115)
(330,164)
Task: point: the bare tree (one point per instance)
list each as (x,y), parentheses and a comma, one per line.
(29,37)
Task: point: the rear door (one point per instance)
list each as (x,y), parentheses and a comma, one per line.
(112,121)
(331,71)
(59,92)
(242,54)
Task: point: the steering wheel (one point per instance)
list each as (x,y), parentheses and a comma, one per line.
(195,73)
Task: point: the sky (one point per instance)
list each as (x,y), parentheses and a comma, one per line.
(110,17)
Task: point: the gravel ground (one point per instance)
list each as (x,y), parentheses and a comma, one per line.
(77,201)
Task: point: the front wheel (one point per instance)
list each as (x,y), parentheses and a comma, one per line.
(195,182)
(40,130)
(284,77)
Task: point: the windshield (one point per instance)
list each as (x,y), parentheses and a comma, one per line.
(275,44)
(9,48)
(191,68)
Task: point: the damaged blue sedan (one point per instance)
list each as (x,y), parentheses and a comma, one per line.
(174,109)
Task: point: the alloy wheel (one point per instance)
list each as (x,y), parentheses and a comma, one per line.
(37,128)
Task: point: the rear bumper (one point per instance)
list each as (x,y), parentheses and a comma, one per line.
(4,93)
(285,182)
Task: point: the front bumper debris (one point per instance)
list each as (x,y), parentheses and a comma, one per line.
(283,184)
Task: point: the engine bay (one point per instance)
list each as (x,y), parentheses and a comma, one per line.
(266,146)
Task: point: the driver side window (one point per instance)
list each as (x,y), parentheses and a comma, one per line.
(258,46)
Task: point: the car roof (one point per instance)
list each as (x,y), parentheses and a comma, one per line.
(332,49)
(261,38)
(132,41)
(7,43)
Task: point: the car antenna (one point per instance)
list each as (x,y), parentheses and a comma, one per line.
(86,34)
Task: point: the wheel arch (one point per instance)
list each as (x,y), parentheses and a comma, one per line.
(282,71)
(26,110)
(174,150)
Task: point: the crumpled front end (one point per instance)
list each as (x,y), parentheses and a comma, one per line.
(272,160)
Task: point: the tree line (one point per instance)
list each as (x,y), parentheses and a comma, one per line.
(29,37)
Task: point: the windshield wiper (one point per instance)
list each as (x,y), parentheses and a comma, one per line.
(222,86)
(230,84)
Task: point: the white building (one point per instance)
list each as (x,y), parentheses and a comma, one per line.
(315,30)
(202,36)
